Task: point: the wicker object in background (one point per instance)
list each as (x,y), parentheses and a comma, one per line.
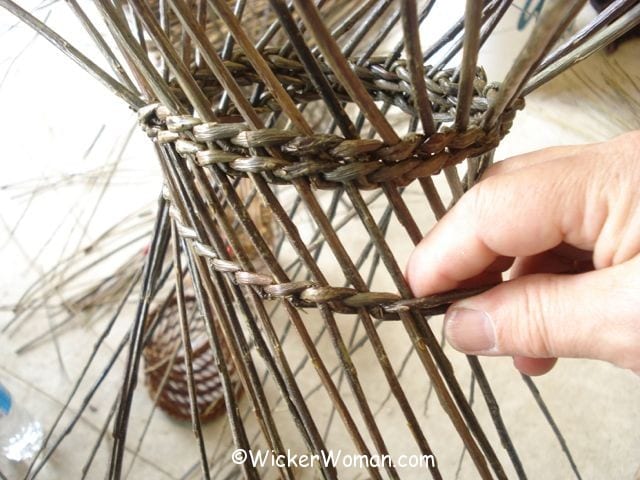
(165,372)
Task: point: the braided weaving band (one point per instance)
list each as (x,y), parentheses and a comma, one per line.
(328,160)
(385,79)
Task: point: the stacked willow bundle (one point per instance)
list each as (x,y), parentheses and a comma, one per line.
(273,117)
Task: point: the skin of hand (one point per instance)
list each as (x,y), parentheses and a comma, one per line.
(566,221)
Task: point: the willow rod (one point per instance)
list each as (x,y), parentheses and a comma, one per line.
(74,54)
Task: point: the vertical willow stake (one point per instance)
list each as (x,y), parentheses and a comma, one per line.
(188,351)
(411,31)
(472,22)
(552,20)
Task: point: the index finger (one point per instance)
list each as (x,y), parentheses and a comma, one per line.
(517,213)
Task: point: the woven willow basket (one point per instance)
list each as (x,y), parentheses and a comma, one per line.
(293,138)
(166,371)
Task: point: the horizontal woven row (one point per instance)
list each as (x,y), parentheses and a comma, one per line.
(326,160)
(306,294)
(386,79)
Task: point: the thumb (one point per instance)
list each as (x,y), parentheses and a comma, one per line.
(591,315)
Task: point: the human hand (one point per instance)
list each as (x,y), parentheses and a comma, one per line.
(567,219)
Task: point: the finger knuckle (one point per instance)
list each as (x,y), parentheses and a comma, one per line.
(531,330)
(482,199)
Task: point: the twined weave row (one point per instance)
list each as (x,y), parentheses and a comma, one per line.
(327,160)
(308,294)
(385,79)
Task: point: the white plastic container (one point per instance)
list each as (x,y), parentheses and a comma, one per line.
(20,435)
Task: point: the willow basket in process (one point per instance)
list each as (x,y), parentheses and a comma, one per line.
(294,140)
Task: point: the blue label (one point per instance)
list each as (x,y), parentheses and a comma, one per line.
(529,12)
(5,401)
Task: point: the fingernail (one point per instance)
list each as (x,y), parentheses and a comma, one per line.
(470,331)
